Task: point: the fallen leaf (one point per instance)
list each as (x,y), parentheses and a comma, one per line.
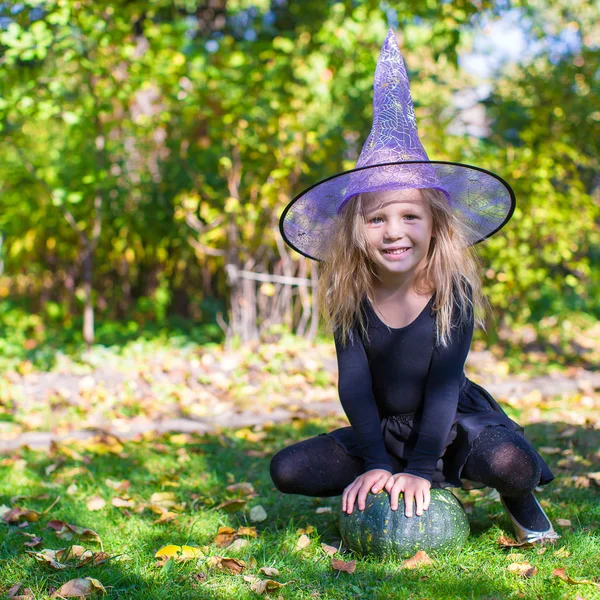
(247,531)
(165,517)
(269,571)
(164,499)
(96,503)
(118,486)
(17,515)
(264,586)
(307,530)
(244,488)
(232,505)
(33,542)
(340,565)
(303,542)
(595,477)
(13,593)
(507,542)
(548,450)
(79,588)
(515,557)
(237,544)
(179,553)
(224,563)
(323,509)
(562,553)
(330,550)
(122,502)
(560,573)
(258,514)
(420,558)
(65,531)
(523,569)
(224,537)
(564,522)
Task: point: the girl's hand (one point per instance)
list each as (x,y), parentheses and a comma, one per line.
(373,480)
(414,488)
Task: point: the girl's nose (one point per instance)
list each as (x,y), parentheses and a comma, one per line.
(393,232)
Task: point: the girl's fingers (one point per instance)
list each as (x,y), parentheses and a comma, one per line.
(395,491)
(408,503)
(427,500)
(419,502)
(379,484)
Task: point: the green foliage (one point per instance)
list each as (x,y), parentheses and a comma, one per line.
(121,124)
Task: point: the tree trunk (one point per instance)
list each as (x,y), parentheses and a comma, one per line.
(88,311)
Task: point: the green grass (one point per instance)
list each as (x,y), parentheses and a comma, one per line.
(197,470)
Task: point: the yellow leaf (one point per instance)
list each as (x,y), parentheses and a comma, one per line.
(179,553)
(164,499)
(303,542)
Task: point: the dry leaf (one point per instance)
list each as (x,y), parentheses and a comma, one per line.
(232,505)
(164,499)
(524,569)
(340,565)
(561,553)
(563,522)
(303,542)
(247,531)
(595,477)
(330,550)
(562,575)
(96,503)
(237,544)
(515,557)
(548,450)
(420,558)
(269,571)
(65,531)
(323,509)
(17,514)
(507,542)
(307,530)
(223,563)
(244,488)
(265,586)
(258,514)
(118,486)
(122,502)
(165,517)
(13,593)
(224,537)
(33,542)
(79,588)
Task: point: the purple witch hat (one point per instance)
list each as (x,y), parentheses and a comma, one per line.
(393,158)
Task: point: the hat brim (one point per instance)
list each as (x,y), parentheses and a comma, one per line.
(484,200)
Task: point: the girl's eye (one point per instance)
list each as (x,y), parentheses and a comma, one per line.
(375,219)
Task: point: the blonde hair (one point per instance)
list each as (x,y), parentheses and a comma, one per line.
(348,271)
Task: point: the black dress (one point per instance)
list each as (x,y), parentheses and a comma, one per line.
(410,405)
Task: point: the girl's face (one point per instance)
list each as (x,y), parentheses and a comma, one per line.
(399,228)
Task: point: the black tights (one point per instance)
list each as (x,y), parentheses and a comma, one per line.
(499,458)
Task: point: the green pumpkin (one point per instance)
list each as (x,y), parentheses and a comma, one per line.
(384,532)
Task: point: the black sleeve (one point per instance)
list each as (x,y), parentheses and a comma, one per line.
(440,399)
(358,402)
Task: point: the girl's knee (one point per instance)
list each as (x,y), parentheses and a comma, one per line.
(282,472)
(516,470)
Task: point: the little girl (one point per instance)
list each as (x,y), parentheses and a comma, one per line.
(399,286)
